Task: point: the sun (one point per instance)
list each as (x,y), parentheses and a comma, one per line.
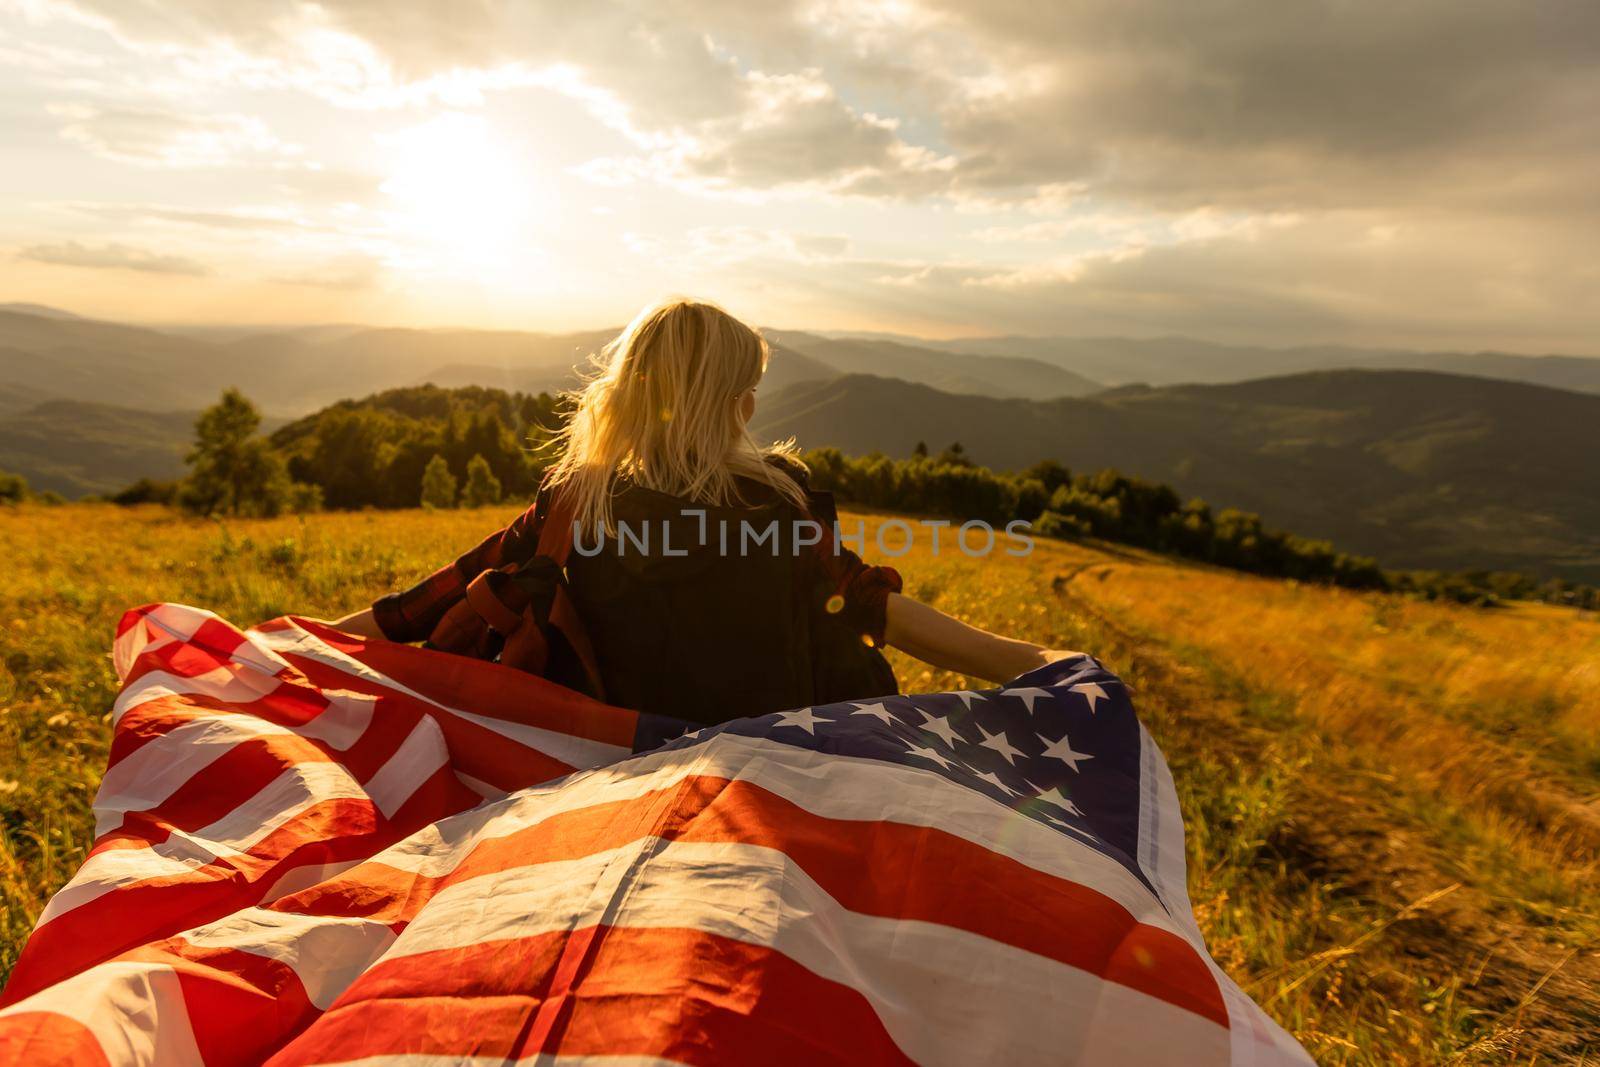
(457,199)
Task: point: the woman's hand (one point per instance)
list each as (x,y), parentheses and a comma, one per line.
(360,623)
(936,638)
(1048,656)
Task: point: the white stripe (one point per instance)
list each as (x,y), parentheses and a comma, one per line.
(162,625)
(326,953)
(944,994)
(343,721)
(482,788)
(296,879)
(228,684)
(419,755)
(153,772)
(135,1011)
(578,752)
(296,790)
(830,786)
(571,750)
(167,623)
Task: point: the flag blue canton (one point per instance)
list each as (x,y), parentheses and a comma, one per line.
(1060,745)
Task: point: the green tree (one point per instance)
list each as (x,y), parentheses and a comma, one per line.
(304,497)
(482,488)
(231,470)
(438,484)
(13,488)
(147,491)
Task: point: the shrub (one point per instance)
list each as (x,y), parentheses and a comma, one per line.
(438,484)
(147,491)
(1066,527)
(13,488)
(232,471)
(483,488)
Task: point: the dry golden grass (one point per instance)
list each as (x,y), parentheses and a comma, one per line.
(1391,805)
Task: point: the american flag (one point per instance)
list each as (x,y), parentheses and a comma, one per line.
(314,849)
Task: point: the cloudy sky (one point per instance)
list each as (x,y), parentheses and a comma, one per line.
(1283,171)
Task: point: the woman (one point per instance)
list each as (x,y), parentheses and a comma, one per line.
(686,619)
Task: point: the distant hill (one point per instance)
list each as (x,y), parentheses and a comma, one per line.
(1175,360)
(297,370)
(77,448)
(14,398)
(786,367)
(48,353)
(103,362)
(40,310)
(1416,468)
(994,375)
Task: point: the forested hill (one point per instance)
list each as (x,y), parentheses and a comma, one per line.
(373,451)
(1418,469)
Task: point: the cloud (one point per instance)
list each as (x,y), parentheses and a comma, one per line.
(1283,105)
(1328,277)
(1286,171)
(111,257)
(712,247)
(235,219)
(1164,103)
(148,137)
(346,274)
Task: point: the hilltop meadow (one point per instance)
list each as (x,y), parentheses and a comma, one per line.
(1393,806)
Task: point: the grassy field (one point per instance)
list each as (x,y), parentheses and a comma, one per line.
(1393,807)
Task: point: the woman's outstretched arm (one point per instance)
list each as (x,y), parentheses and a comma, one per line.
(361,623)
(935,638)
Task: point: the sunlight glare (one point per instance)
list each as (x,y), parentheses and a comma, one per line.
(464,202)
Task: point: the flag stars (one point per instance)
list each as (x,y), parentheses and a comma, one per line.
(802,717)
(1091,692)
(931,754)
(1063,751)
(999,742)
(1061,800)
(1027,695)
(940,727)
(967,696)
(877,711)
(994,780)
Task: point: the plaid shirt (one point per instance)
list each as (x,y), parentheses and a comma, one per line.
(859,593)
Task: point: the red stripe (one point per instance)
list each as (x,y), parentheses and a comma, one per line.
(143,912)
(685,995)
(241,1006)
(46,1039)
(149,719)
(475,750)
(487,688)
(249,766)
(872,867)
(329,832)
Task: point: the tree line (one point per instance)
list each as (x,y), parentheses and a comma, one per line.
(402,448)
(474,446)
(1113,506)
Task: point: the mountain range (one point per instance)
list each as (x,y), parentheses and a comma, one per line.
(1174,360)
(1422,459)
(1417,468)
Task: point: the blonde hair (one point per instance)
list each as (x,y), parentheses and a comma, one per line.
(661,408)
